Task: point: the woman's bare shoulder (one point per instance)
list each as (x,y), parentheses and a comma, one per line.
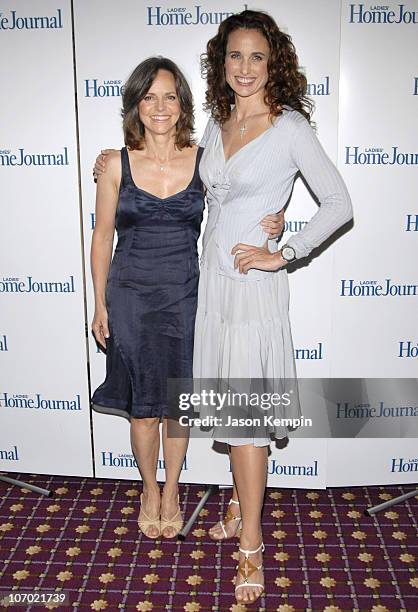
(188,153)
(114,155)
(114,160)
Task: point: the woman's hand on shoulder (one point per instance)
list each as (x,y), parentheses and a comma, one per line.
(113,170)
(249,257)
(101,162)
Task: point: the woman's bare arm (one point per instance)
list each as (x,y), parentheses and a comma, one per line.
(102,241)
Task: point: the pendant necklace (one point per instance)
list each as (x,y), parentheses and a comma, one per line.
(163,164)
(243,127)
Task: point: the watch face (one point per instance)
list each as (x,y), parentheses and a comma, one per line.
(288,253)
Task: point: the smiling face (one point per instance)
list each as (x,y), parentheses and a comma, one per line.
(246,62)
(159,110)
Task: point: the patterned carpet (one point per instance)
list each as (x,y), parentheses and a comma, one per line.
(322,553)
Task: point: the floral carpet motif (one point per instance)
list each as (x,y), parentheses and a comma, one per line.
(322,553)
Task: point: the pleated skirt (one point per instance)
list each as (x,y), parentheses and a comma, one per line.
(242,332)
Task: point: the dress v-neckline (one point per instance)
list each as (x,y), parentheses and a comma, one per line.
(247,144)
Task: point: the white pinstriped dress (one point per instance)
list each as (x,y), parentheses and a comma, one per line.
(242,326)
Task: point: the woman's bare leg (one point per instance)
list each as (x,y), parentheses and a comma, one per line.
(216,531)
(145,441)
(175,442)
(249,466)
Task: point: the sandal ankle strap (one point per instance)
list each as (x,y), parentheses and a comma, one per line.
(251,552)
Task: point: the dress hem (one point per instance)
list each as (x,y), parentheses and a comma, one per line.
(159,411)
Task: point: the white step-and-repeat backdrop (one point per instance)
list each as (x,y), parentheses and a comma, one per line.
(353,308)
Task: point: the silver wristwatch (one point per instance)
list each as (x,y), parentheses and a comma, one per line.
(288,253)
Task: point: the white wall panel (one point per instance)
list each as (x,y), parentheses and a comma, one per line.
(44,406)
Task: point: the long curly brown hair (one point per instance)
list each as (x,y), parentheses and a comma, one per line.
(286,84)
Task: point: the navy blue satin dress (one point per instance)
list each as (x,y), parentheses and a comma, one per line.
(151,297)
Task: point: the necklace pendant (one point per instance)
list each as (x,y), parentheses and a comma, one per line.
(242,130)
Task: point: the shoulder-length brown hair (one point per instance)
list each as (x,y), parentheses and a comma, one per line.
(137,87)
(285,85)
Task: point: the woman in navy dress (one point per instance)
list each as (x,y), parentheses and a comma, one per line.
(145,299)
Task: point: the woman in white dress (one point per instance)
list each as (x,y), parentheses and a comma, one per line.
(256,141)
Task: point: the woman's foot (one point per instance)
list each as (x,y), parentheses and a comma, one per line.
(171,519)
(229,526)
(150,507)
(249,583)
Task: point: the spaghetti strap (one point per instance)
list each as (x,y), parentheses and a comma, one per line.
(126,169)
(196,174)
(199,154)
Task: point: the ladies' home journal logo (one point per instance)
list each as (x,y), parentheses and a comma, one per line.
(373,288)
(401,465)
(95,88)
(127,460)
(11,20)
(9,454)
(376,14)
(13,284)
(377,156)
(38,402)
(183,16)
(21,157)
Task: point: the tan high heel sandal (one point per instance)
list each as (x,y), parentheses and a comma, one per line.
(145,523)
(175,523)
(246,569)
(229,516)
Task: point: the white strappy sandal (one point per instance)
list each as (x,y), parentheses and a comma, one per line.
(229,516)
(246,569)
